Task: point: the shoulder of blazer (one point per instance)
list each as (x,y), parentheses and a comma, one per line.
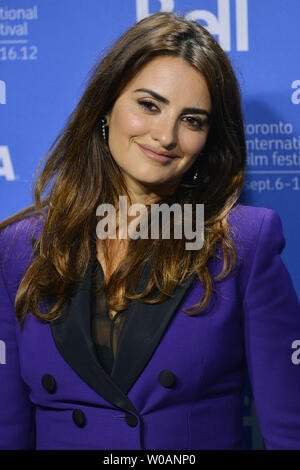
(245,223)
(249,227)
(17,242)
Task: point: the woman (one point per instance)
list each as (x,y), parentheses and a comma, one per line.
(140,343)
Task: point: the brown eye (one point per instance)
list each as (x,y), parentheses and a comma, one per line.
(147,105)
(195,122)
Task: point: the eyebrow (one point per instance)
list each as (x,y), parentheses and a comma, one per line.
(166,101)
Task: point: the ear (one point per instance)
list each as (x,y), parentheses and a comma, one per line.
(108,118)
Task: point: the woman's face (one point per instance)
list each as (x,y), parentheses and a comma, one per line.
(159,117)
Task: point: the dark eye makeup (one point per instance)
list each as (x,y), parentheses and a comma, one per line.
(196,123)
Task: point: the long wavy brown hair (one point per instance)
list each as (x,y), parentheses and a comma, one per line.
(80,173)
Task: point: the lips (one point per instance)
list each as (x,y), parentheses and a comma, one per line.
(156,156)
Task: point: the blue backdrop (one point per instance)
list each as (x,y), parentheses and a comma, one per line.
(47,48)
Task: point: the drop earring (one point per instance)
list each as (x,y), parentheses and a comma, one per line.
(196,174)
(103,121)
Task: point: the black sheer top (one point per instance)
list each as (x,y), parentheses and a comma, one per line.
(105,331)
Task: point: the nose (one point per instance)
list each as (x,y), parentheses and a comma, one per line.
(164,131)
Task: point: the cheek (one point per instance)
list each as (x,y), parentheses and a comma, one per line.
(129,123)
(193,144)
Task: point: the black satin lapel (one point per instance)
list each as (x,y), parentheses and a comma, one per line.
(72,336)
(143,330)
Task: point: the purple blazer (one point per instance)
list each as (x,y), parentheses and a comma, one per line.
(178,380)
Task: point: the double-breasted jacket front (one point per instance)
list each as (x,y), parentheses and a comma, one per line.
(177,380)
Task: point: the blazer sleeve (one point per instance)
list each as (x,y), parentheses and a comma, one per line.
(272,339)
(16,409)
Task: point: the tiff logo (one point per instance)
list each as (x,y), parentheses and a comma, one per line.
(6,168)
(296,94)
(2,352)
(2,92)
(217,25)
